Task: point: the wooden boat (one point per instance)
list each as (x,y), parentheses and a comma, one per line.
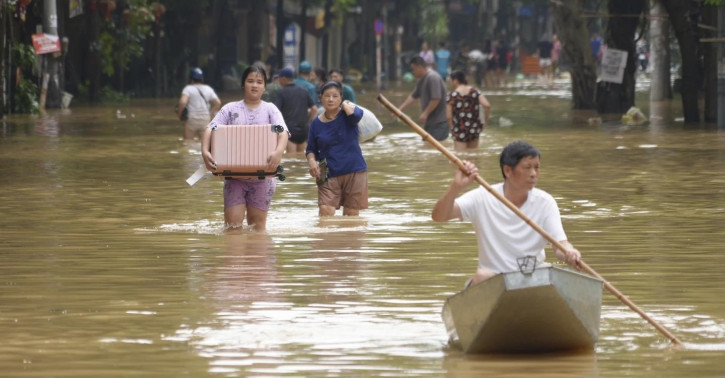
(546,310)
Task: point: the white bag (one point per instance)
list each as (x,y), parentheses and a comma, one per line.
(369,125)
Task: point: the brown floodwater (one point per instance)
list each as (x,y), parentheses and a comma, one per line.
(111,265)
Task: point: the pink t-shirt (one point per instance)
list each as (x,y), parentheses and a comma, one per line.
(428,57)
(555,51)
(237,113)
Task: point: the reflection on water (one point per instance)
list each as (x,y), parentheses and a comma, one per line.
(113,265)
(548,365)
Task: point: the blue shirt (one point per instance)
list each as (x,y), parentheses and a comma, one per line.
(442,58)
(337,141)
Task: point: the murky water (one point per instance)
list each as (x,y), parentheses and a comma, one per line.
(112,265)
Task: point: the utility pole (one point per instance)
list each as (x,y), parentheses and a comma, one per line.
(4,60)
(50,26)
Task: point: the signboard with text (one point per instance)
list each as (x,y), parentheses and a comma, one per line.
(613,64)
(46,43)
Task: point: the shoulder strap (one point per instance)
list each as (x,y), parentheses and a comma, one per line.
(201,94)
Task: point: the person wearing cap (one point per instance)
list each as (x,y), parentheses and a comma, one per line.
(200,102)
(297,108)
(303,80)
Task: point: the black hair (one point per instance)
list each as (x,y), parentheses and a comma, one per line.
(459,76)
(418,61)
(328,85)
(321,74)
(514,152)
(337,70)
(252,69)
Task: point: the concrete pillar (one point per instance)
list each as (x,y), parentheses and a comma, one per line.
(659,57)
(50,26)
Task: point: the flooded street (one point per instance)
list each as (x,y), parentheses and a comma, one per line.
(111,265)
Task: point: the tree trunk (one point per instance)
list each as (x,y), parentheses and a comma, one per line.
(365,59)
(4,66)
(659,54)
(279,20)
(615,98)
(303,28)
(679,12)
(94,54)
(709,18)
(326,35)
(572,32)
(157,57)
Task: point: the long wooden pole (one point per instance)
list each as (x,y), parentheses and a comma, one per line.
(427,137)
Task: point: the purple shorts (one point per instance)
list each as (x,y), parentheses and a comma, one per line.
(252,193)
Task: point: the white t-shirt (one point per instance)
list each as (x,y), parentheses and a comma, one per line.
(199,106)
(502,235)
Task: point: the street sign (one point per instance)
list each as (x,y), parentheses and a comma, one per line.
(378,27)
(290,47)
(45,43)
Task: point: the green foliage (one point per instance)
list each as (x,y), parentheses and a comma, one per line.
(434,20)
(108,94)
(26,97)
(24,57)
(26,92)
(121,40)
(716,3)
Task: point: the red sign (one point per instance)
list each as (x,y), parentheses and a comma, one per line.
(46,43)
(378,27)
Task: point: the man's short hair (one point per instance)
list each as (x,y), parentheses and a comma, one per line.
(514,152)
(338,71)
(418,61)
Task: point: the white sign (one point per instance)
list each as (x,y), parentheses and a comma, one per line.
(45,43)
(613,64)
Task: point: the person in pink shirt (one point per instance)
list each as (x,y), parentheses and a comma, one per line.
(555,54)
(427,54)
(248,197)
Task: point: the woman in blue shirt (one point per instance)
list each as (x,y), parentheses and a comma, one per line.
(334,155)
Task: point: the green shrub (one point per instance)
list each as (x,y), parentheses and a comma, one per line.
(26,92)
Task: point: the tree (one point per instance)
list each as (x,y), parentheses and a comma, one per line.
(621,29)
(574,36)
(680,13)
(433,21)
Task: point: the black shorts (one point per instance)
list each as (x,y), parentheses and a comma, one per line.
(299,133)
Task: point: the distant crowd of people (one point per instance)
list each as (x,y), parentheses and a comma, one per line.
(318,112)
(319,118)
(489,66)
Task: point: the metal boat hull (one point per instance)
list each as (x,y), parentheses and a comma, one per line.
(548,310)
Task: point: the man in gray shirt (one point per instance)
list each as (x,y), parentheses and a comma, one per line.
(431,90)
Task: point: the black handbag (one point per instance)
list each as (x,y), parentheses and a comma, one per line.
(184,114)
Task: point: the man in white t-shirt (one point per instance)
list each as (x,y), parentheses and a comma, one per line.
(503,237)
(197,98)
